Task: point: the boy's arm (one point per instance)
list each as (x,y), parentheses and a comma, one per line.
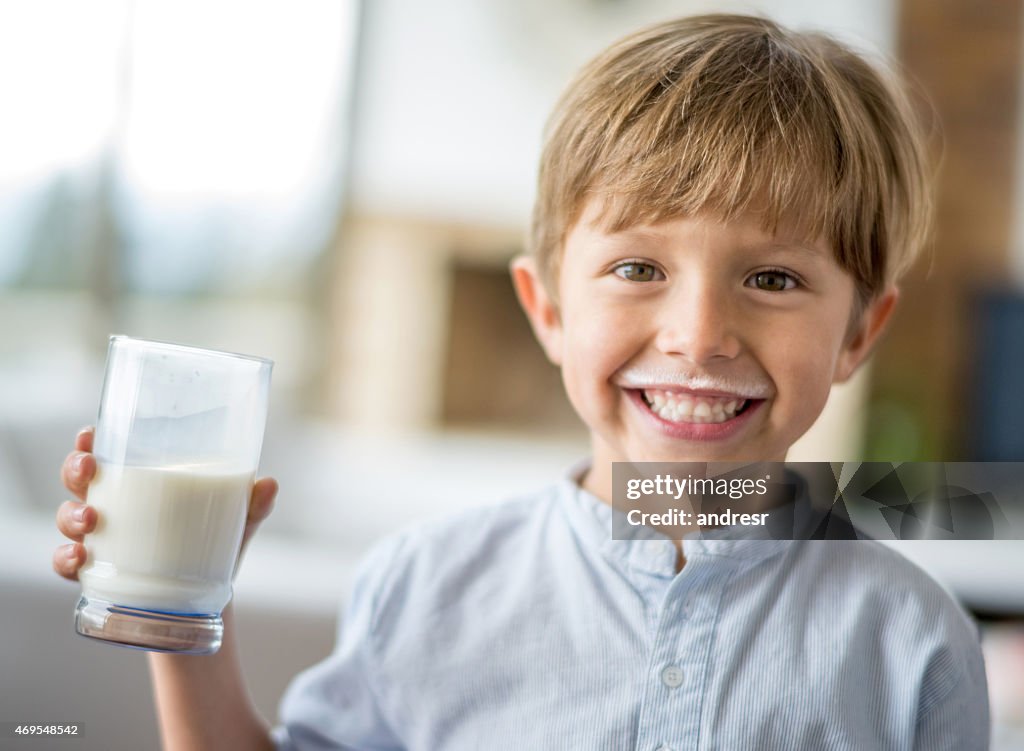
(960,723)
(959,720)
(202,701)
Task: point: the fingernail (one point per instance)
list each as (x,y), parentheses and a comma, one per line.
(76,463)
(78,514)
(70,552)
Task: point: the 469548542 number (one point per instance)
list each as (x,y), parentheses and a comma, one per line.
(22,729)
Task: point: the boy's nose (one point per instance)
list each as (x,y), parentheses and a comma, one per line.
(698,326)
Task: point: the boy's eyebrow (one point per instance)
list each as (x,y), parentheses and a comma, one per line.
(632,233)
(787,245)
(651,234)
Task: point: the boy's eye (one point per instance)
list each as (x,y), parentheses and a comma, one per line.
(773,281)
(634,271)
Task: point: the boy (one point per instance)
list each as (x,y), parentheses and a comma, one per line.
(724,209)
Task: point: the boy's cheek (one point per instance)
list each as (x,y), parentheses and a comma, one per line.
(593,354)
(803,371)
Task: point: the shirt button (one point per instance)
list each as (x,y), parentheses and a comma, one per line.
(672,676)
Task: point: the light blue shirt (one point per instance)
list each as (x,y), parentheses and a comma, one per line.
(526,626)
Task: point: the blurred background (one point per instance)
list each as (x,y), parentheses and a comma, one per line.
(339,186)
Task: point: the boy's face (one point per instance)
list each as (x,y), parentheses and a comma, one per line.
(694,340)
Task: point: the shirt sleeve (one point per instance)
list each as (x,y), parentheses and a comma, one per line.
(953,712)
(336,703)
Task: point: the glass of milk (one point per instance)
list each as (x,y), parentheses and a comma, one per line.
(177,446)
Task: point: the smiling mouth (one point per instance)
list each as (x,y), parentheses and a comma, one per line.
(681,407)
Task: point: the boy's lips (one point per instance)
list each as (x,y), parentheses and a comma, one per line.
(694,415)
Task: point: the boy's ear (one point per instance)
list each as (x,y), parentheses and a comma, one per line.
(539,307)
(863,338)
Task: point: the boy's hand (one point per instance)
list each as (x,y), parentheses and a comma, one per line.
(75,519)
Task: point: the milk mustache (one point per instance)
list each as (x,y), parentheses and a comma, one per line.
(167,537)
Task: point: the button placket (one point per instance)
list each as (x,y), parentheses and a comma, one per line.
(681,646)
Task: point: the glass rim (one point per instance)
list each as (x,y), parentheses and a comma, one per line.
(186,348)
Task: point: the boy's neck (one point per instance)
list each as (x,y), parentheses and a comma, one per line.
(597,481)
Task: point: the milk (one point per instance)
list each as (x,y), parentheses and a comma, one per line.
(167,537)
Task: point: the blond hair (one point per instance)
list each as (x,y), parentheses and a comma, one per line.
(727,114)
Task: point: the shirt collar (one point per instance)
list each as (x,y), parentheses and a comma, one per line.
(654,553)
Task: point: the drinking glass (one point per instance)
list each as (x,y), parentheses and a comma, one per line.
(177,446)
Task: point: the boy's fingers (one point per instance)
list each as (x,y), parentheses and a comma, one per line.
(263,493)
(260,503)
(75,519)
(67,559)
(83,441)
(77,472)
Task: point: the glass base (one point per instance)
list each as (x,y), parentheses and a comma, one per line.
(145,629)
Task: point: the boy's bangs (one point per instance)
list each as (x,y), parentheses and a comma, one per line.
(756,146)
(784,191)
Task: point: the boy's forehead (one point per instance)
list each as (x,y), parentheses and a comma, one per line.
(601,220)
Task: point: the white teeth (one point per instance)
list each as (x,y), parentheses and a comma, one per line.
(677,407)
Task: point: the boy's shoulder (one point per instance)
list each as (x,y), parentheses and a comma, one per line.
(867,579)
(903,617)
(487,525)
(867,560)
(460,546)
